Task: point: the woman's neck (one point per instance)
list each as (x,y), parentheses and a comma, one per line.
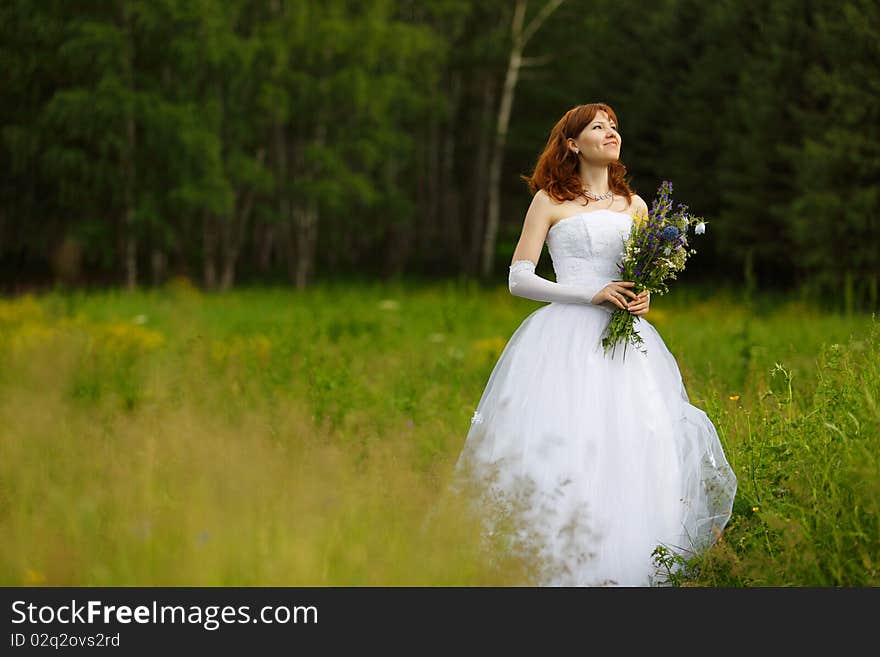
(595,179)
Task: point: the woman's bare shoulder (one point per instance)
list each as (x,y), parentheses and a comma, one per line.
(542,197)
(542,203)
(554,208)
(639,204)
(639,209)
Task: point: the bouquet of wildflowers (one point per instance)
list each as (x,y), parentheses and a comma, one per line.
(656,249)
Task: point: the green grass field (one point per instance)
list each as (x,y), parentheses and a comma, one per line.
(268,437)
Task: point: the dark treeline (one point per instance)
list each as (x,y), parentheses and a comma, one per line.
(274,140)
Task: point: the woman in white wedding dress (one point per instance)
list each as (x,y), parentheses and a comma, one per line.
(600,459)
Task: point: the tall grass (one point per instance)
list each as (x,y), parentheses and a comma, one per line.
(808,455)
(268,437)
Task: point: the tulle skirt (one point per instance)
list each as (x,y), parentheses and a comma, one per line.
(599,461)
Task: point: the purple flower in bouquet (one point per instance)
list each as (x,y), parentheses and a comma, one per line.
(655,250)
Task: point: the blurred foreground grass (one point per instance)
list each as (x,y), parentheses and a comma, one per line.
(268,437)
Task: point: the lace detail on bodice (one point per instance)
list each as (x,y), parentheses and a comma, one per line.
(586,247)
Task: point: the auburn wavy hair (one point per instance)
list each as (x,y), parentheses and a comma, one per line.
(556,171)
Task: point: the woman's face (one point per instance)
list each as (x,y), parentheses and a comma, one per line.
(599,142)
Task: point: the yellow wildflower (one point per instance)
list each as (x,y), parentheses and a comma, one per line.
(488,348)
(32,577)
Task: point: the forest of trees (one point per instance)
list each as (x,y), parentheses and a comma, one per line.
(293,140)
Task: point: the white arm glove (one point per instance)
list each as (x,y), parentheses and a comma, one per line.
(524,282)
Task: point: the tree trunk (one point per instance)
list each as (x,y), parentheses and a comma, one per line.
(396,249)
(236,227)
(234,239)
(128,158)
(285,208)
(158,265)
(431,202)
(306,224)
(227,247)
(480,180)
(449,188)
(293,165)
(287,239)
(306,237)
(265,240)
(520,37)
(209,242)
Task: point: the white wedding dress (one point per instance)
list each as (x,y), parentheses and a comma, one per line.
(600,459)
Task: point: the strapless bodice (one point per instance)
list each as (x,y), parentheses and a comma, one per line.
(586,247)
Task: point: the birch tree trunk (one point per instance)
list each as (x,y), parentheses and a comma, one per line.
(236,226)
(520,38)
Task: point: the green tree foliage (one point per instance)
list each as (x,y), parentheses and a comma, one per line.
(833,218)
(279,138)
